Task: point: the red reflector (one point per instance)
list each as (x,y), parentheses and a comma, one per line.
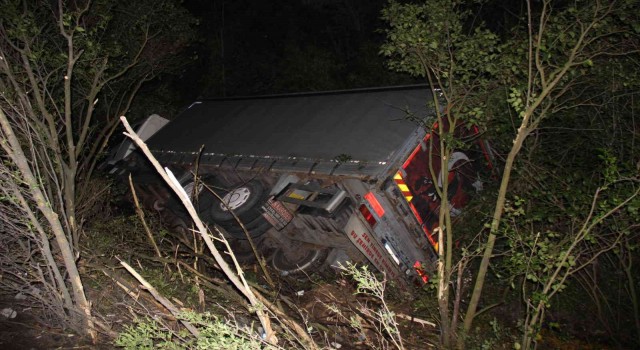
(367,215)
(418,267)
(371,198)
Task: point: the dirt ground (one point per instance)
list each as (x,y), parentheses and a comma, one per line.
(322,301)
(317,301)
(25,332)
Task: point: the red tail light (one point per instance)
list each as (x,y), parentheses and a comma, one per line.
(367,215)
(373,201)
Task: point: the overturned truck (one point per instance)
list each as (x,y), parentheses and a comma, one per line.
(317,178)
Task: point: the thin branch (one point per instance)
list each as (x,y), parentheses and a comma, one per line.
(141,216)
(237,279)
(164,301)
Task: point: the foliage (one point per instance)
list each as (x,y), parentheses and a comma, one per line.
(550,248)
(434,41)
(145,335)
(368,284)
(88,62)
(586,146)
(215,333)
(431,40)
(538,86)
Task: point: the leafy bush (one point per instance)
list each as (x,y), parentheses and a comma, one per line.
(215,333)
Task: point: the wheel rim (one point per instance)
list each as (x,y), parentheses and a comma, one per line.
(189,189)
(235,199)
(288,262)
(158,205)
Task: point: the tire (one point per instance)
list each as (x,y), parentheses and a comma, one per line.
(175,204)
(256,228)
(298,259)
(243,199)
(242,251)
(192,192)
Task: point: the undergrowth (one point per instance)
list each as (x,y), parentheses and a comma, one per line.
(215,333)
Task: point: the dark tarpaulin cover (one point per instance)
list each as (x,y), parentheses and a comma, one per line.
(365,125)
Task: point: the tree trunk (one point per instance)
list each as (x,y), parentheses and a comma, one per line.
(495,224)
(82,316)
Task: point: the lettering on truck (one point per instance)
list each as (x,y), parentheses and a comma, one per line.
(360,236)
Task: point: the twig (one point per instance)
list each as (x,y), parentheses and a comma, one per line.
(164,301)
(285,319)
(416,320)
(237,279)
(134,293)
(175,259)
(141,216)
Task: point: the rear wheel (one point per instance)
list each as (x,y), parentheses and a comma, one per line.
(242,250)
(244,200)
(298,258)
(193,188)
(256,228)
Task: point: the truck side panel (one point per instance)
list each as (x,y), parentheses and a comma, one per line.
(359,130)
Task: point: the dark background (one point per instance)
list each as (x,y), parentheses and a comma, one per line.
(251,47)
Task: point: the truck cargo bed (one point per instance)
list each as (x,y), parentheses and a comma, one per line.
(362,130)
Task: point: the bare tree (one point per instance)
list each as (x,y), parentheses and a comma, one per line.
(29,218)
(67,70)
